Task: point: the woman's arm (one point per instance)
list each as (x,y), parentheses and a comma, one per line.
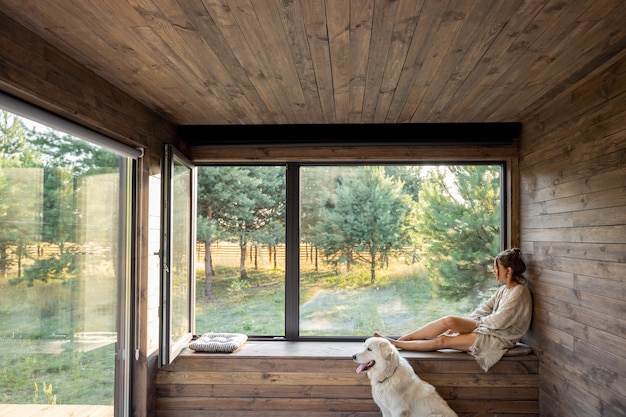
(485,308)
(513,307)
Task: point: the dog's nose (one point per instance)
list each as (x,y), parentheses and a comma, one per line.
(354,357)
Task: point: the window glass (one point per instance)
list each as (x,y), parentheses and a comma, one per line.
(181,251)
(381,247)
(63,263)
(241,258)
(177,244)
(388,248)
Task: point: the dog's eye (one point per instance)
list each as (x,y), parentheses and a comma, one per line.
(370,349)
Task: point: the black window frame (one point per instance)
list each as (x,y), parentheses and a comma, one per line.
(292,227)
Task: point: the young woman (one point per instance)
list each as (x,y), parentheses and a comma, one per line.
(493,328)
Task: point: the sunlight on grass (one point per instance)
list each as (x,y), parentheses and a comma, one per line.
(331,304)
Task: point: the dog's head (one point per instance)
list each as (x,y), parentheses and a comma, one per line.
(378,357)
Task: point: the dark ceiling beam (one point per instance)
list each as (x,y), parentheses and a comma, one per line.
(436,134)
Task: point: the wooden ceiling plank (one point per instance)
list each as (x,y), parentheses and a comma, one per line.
(182,41)
(488,27)
(413,79)
(544,121)
(291,14)
(530,25)
(501,53)
(382,31)
(361,12)
(62,21)
(550,22)
(567,63)
(122,46)
(174,82)
(97,107)
(245,60)
(198,14)
(55,22)
(185,102)
(269,58)
(407,16)
(467,14)
(451,23)
(273,61)
(338,22)
(269,17)
(314,15)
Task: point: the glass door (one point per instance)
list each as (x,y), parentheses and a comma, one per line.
(64,272)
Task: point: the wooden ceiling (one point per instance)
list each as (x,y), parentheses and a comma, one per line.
(250,62)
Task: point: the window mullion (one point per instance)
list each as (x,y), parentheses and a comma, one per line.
(292,253)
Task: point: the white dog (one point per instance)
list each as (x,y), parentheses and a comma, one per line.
(396,389)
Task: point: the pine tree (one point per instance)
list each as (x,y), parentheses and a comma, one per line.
(366,220)
(459,226)
(237,203)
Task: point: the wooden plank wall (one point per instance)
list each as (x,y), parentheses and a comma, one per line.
(573,231)
(326,385)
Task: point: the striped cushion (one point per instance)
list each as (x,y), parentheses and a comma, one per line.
(218,342)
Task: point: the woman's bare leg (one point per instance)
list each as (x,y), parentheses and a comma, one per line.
(462,342)
(454,324)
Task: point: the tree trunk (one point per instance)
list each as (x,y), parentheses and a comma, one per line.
(208,268)
(242,261)
(4,260)
(275,261)
(373,266)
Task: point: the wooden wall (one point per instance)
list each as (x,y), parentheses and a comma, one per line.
(573,231)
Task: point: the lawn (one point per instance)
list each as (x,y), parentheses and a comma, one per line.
(40,364)
(38,361)
(345,304)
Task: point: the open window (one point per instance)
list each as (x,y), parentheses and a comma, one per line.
(177,254)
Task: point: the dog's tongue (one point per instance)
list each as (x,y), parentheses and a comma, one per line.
(363,367)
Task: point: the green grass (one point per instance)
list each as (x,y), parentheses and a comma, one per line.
(34,351)
(256,304)
(33,354)
(332,304)
(74,377)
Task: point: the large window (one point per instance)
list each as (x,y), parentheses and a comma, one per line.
(64,270)
(309,251)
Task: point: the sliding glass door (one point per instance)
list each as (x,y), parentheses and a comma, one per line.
(65,206)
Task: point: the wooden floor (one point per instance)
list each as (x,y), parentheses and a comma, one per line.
(43,410)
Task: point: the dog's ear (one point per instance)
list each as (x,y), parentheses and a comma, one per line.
(390,355)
